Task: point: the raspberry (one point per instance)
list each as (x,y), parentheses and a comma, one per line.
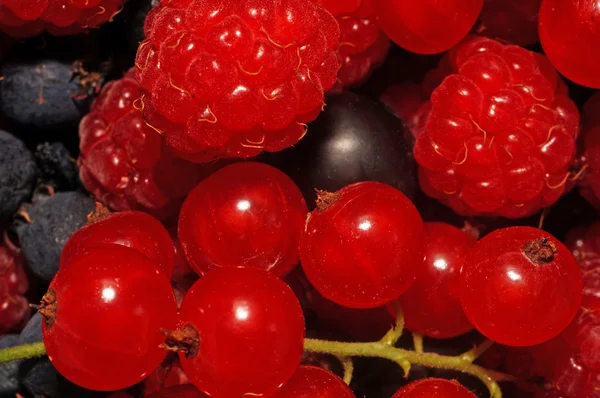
(125,163)
(500,138)
(231,79)
(26,18)
(363,46)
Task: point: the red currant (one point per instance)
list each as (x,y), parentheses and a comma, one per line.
(184,391)
(431,387)
(514,21)
(570,35)
(520,286)
(312,382)
(102,318)
(427,27)
(134,229)
(429,306)
(363,245)
(247,214)
(247,332)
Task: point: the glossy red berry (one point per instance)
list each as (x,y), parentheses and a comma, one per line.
(427,27)
(363,245)
(134,229)
(432,387)
(103,315)
(184,391)
(570,35)
(234,78)
(168,374)
(513,21)
(585,245)
(520,286)
(429,305)
(250,332)
(124,162)
(26,18)
(500,138)
(314,382)
(14,307)
(247,214)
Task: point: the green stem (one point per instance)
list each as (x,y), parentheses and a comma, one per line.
(418,342)
(348,366)
(404,357)
(22,352)
(477,351)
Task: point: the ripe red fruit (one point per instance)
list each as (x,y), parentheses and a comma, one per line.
(102,318)
(124,162)
(520,286)
(247,214)
(247,332)
(26,18)
(514,21)
(234,78)
(427,27)
(429,305)
(590,183)
(585,245)
(311,382)
(570,37)
(500,138)
(363,245)
(185,391)
(432,387)
(14,308)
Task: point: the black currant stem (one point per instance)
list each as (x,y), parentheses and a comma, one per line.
(22,352)
(406,358)
(348,366)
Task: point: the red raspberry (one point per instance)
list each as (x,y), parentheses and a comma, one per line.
(500,138)
(124,163)
(26,18)
(363,46)
(234,78)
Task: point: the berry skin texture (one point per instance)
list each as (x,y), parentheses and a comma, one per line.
(29,18)
(514,21)
(585,245)
(432,387)
(124,162)
(184,391)
(14,308)
(500,138)
(248,214)
(427,27)
(250,330)
(56,166)
(102,329)
(133,229)
(17,174)
(233,79)
(314,382)
(570,37)
(363,245)
(520,286)
(429,305)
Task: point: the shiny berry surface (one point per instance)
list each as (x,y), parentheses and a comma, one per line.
(520,286)
(585,245)
(185,391)
(247,214)
(235,78)
(570,35)
(124,162)
(429,305)
(514,21)
(314,382)
(250,330)
(427,27)
(14,307)
(363,245)
(102,318)
(431,387)
(134,229)
(500,137)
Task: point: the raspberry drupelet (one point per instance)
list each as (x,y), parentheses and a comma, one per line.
(26,18)
(500,138)
(234,78)
(124,163)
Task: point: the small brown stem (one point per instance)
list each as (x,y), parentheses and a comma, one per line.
(47,307)
(326,199)
(185,340)
(99,213)
(540,251)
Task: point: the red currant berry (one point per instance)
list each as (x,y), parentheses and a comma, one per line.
(246,330)
(427,27)
(12,276)
(431,387)
(103,315)
(570,35)
(168,374)
(184,391)
(520,286)
(136,230)
(14,312)
(312,382)
(429,306)
(514,21)
(247,214)
(363,245)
